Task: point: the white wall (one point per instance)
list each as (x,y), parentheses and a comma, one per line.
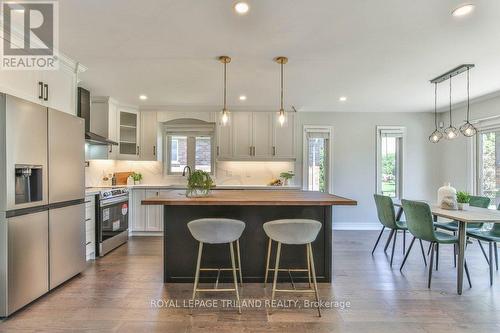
(354,160)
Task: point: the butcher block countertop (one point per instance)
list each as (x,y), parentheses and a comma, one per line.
(251,198)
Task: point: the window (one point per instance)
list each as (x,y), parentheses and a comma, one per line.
(189,142)
(317,159)
(390,140)
(489,165)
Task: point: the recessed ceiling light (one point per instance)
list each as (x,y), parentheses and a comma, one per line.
(241,8)
(143,97)
(342,98)
(463,10)
(243,98)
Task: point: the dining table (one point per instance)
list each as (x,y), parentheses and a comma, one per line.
(469,214)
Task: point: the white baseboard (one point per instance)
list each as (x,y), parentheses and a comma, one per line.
(145,233)
(339,225)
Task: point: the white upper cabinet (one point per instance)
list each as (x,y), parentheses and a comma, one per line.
(262,135)
(128,133)
(52,88)
(241,124)
(148,150)
(256,136)
(104,121)
(60,89)
(284,138)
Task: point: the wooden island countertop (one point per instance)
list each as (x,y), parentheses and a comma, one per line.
(251,198)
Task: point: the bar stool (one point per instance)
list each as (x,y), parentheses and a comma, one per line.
(293,232)
(217,231)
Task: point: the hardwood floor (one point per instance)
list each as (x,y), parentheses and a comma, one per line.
(114,294)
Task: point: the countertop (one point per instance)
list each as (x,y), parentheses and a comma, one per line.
(251,198)
(96,190)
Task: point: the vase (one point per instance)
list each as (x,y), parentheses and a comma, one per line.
(197,192)
(447,197)
(137,182)
(462,206)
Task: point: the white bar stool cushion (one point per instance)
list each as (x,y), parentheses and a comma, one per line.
(216,230)
(292,231)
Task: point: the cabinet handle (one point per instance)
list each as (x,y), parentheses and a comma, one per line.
(154,150)
(218,150)
(46,88)
(253,150)
(40,91)
(138,150)
(274,150)
(250,150)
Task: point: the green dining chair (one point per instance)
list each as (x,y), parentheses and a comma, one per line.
(387,217)
(475,201)
(491,236)
(420,224)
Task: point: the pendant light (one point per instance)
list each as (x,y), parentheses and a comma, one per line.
(436,135)
(281,115)
(468,129)
(225,114)
(451,132)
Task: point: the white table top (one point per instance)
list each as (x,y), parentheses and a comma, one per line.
(469,214)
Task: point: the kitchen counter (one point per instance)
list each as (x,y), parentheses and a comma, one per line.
(254,207)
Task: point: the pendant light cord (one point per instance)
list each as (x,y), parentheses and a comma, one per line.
(224,86)
(468,96)
(450,103)
(435,105)
(281,87)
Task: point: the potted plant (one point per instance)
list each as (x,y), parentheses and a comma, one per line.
(463,199)
(137,178)
(199,184)
(286,177)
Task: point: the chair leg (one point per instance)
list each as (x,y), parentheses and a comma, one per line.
(484,252)
(407,254)
(454,251)
(378,239)
(431,262)
(393,245)
(267,260)
(423,252)
(197,273)
(429,249)
(467,273)
(389,240)
(404,241)
(313,271)
(235,277)
(239,261)
(496,254)
(437,255)
(276,268)
(309,266)
(490,250)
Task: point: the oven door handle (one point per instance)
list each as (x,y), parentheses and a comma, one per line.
(113,201)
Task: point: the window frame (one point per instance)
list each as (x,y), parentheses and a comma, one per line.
(328,130)
(191,149)
(489,125)
(401,154)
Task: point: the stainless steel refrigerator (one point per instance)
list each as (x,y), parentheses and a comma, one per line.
(42,189)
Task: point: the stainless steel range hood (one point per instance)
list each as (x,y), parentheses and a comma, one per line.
(84,112)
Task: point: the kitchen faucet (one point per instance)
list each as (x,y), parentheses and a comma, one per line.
(184,171)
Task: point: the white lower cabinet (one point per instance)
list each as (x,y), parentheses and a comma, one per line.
(90,226)
(145,218)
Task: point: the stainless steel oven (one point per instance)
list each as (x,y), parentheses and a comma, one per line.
(112,220)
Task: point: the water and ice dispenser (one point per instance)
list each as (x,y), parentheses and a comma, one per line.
(28,183)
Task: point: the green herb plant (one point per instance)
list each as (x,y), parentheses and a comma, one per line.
(137,177)
(463,197)
(287,175)
(199,184)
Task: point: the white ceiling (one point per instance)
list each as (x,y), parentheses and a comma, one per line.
(380,54)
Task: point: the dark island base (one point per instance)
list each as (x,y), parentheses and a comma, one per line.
(181,249)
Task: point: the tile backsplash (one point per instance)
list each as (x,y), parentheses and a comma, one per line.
(227,173)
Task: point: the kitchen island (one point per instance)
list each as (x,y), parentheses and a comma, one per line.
(254,207)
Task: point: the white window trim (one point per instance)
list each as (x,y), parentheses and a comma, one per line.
(484,125)
(312,128)
(177,153)
(378,167)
